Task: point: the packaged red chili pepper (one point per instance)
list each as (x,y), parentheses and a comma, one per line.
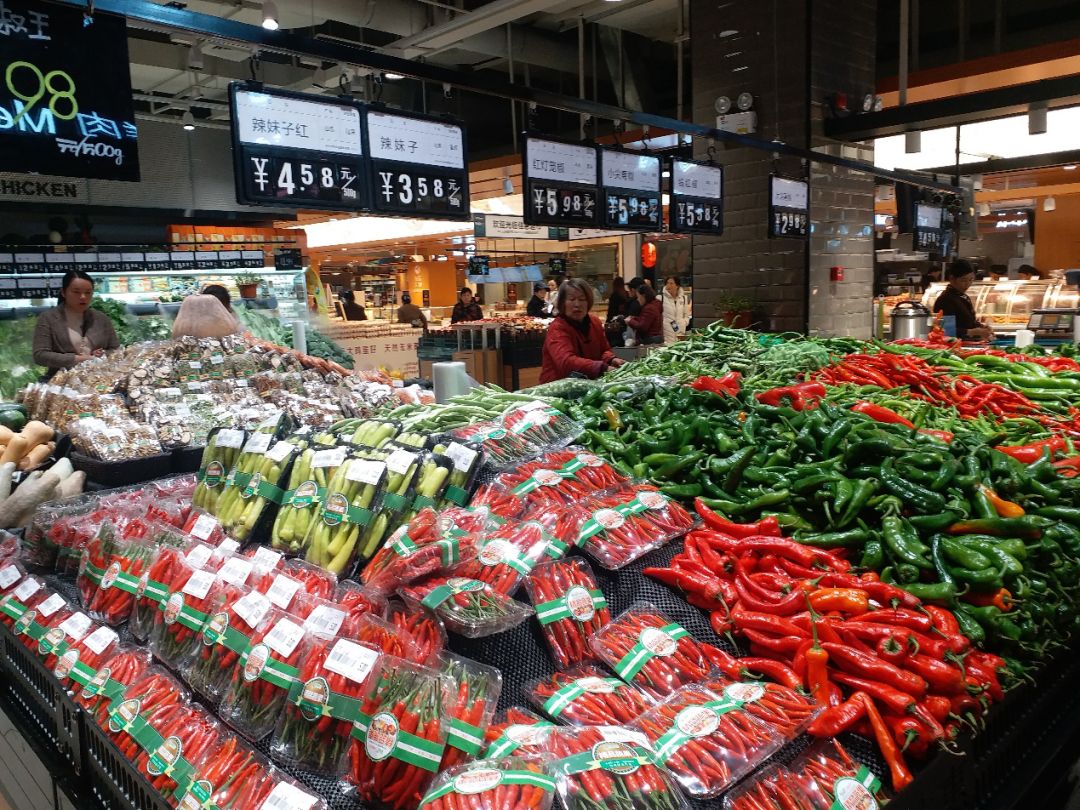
(609,768)
(170,743)
(468,606)
(516,731)
(264,676)
(618,527)
(204,528)
(511,783)
(586,696)
(152,689)
(505,556)
(11,574)
(541,425)
(831,777)
(381,635)
(226,635)
(644,647)
(280,792)
(398,739)
(121,669)
(229,775)
(192,596)
(32,627)
(477,689)
(76,662)
(500,447)
(324,702)
(25,596)
(570,607)
(358,600)
(152,589)
(424,628)
(418,549)
(297,577)
(773,788)
(9,547)
(782,708)
(61,634)
(708,741)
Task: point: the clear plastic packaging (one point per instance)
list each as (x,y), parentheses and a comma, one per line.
(646,648)
(300,502)
(280,792)
(229,774)
(541,425)
(63,634)
(773,787)
(464,464)
(707,741)
(381,635)
(505,556)
(831,777)
(34,626)
(609,768)
(204,528)
(416,550)
(478,688)
(374,433)
(569,606)
(516,731)
(359,599)
(153,588)
(21,597)
(221,454)
(314,727)
(226,635)
(586,696)
(618,527)
(424,628)
(468,606)
(192,595)
(188,731)
(492,784)
(76,664)
(253,483)
(11,574)
(348,507)
(402,469)
(124,666)
(787,711)
(394,756)
(501,448)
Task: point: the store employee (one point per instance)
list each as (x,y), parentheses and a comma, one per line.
(538,307)
(954,301)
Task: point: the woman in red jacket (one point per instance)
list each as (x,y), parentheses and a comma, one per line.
(648,325)
(575,341)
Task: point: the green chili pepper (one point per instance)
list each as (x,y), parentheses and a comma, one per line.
(964,556)
(848,539)
(931,591)
(902,544)
(873,556)
(924,500)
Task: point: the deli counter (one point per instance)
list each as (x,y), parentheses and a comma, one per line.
(1006,305)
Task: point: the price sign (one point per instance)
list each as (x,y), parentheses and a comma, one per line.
(789,207)
(418,166)
(561,183)
(697,198)
(928,232)
(297,150)
(631,190)
(65,93)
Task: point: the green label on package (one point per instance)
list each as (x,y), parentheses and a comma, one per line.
(653,641)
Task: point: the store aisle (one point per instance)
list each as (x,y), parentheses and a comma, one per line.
(25,783)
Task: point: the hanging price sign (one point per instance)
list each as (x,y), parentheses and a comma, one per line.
(929,231)
(789,207)
(697,198)
(561,183)
(631,190)
(418,166)
(291,149)
(65,93)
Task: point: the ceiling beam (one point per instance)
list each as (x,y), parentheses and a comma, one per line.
(467,24)
(997,195)
(1012,164)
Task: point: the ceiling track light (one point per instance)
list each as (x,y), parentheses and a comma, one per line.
(270,15)
(187,120)
(195,59)
(508,185)
(1037,118)
(1049,204)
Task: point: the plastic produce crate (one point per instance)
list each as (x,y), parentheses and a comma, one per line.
(113,781)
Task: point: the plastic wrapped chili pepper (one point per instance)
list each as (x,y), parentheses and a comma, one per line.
(204,528)
(123,667)
(153,585)
(477,688)
(416,550)
(467,606)
(279,792)
(193,595)
(226,635)
(500,447)
(505,556)
(516,730)
(153,689)
(229,775)
(61,635)
(324,702)
(830,776)
(357,600)
(424,628)
(774,788)
(32,625)
(782,708)
(631,780)
(397,743)
(24,596)
(646,648)
(297,577)
(512,783)
(706,740)
(541,425)
(173,744)
(584,696)
(76,663)
(381,635)
(569,606)
(333,539)
(617,528)
(266,672)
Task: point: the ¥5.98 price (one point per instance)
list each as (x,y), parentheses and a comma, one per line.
(29,84)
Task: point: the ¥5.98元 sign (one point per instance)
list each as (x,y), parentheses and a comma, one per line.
(65,93)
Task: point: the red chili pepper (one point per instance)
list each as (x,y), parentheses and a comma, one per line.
(894,758)
(869,666)
(880,413)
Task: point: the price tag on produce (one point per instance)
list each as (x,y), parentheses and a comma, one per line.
(48,607)
(284,637)
(328,458)
(9,575)
(288,797)
(229,439)
(100,639)
(258,444)
(199,584)
(324,621)
(282,590)
(365,471)
(76,625)
(352,660)
(462,456)
(203,527)
(252,608)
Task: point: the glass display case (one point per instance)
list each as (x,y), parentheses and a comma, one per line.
(1007,305)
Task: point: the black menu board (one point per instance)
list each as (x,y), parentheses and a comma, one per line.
(418,166)
(296,150)
(561,183)
(928,232)
(789,207)
(631,190)
(697,198)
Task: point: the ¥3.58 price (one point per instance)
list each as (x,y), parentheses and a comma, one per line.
(28,83)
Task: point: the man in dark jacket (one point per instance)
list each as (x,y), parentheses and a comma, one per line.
(537,306)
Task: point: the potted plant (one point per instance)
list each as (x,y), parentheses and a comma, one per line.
(248,284)
(735,311)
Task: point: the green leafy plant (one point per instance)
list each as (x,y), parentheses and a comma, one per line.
(17,368)
(733,303)
(244,279)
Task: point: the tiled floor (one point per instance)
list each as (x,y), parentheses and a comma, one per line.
(25,783)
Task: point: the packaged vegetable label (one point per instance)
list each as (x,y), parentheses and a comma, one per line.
(453,586)
(652,500)
(400,461)
(744,692)
(462,456)
(215,628)
(328,458)
(609,518)
(324,620)
(231,439)
(96,683)
(697,721)
(288,797)
(165,756)
(335,508)
(598,686)
(199,556)
(477,781)
(51,605)
(352,660)
(173,606)
(51,640)
(566,695)
(199,584)
(214,474)
(691,723)
(856,792)
(258,444)
(122,716)
(266,558)
(252,607)
(365,471)
(65,663)
(110,575)
(653,641)
(22,624)
(197,797)
(256,661)
(280,451)
(617,757)
(252,486)
(658,642)
(314,698)
(27,589)
(284,637)
(9,575)
(101,638)
(304,495)
(382,736)
(589,460)
(579,601)
(227,547)
(204,527)
(76,625)
(547,478)
(533,735)
(282,591)
(235,571)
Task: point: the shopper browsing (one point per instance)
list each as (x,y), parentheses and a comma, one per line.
(676,309)
(410,313)
(538,306)
(647,325)
(222,295)
(353,311)
(203,316)
(575,342)
(954,301)
(466,309)
(72,332)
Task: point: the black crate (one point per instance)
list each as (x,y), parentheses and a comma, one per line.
(186,459)
(123,473)
(113,780)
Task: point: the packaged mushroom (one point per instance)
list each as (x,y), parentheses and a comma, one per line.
(117,440)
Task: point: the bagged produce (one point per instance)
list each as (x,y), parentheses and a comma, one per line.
(311,472)
(501,448)
(192,595)
(586,696)
(785,710)
(254,483)
(773,788)
(569,606)
(226,635)
(516,731)
(829,776)
(333,540)
(477,688)
(618,527)
(505,556)
(467,606)
(492,784)
(76,662)
(418,549)
(422,626)
(122,668)
(220,456)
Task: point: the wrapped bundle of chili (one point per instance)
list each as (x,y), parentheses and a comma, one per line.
(831,777)
(324,701)
(617,528)
(170,745)
(784,709)
(358,600)
(62,635)
(569,606)
(300,504)
(226,635)
(541,425)
(706,740)
(123,667)
(468,606)
(505,556)
(204,528)
(609,768)
(152,589)
(333,540)
(192,595)
(266,564)
(500,447)
(461,464)
(646,648)
(477,688)
(77,662)
(261,683)
(152,689)
(398,740)
(24,596)
(221,454)
(381,635)
(420,548)
(511,783)
(39,628)
(423,627)
(774,788)
(516,731)
(284,588)
(585,696)
(230,776)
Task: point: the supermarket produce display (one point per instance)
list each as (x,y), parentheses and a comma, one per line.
(747,571)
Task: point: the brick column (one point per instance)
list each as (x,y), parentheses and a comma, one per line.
(790,54)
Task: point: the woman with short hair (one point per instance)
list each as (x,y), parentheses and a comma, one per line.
(575,342)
